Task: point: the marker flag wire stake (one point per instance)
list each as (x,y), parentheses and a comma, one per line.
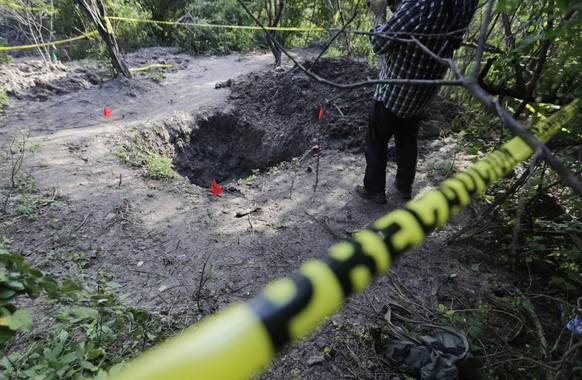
(215,187)
(86,35)
(243,338)
(107,112)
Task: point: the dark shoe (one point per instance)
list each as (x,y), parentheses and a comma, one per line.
(374,197)
(404,192)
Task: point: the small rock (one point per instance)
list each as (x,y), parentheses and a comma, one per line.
(315,359)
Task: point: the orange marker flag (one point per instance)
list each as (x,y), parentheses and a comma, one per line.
(107,112)
(320,116)
(216,189)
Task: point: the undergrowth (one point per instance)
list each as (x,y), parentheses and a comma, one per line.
(74,328)
(137,148)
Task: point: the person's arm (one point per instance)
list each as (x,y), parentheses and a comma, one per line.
(404,20)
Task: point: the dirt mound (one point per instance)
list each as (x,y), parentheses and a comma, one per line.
(38,80)
(290,101)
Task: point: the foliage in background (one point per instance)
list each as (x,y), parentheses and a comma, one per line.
(131,35)
(215,40)
(537,51)
(4,58)
(69,22)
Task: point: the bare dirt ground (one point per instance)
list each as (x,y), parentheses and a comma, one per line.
(220,118)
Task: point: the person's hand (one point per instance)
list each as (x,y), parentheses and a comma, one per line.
(377,6)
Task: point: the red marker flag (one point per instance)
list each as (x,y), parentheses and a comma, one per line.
(107,112)
(216,189)
(320,113)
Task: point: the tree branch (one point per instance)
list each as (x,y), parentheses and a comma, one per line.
(490,103)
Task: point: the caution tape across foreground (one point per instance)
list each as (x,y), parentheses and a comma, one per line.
(239,341)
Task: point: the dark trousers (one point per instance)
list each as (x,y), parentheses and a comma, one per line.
(383,124)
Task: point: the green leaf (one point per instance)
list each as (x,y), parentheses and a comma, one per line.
(20,320)
(507,6)
(36,273)
(50,286)
(7,293)
(113,285)
(116,368)
(69,286)
(527,304)
(68,358)
(88,365)
(85,312)
(58,348)
(479,143)
(557,281)
(16,285)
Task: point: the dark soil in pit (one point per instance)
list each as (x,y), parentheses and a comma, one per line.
(272,118)
(181,251)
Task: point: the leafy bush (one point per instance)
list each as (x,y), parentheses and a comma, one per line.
(69,20)
(131,35)
(18,278)
(4,57)
(215,40)
(139,149)
(87,328)
(3,97)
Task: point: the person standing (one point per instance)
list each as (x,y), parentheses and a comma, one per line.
(396,109)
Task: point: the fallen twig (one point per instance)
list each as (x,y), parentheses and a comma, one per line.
(246,212)
(326,226)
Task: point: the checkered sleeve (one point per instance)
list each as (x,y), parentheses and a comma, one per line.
(403,22)
(429,22)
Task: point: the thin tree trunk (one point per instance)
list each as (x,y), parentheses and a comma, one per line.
(274,10)
(95,10)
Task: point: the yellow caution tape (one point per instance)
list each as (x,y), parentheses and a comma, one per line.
(86,35)
(531,109)
(241,339)
(108,26)
(151,66)
(34,9)
(217,26)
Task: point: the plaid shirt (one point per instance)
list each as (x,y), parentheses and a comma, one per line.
(429,22)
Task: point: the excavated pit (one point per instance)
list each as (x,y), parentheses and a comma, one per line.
(226,147)
(273,117)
